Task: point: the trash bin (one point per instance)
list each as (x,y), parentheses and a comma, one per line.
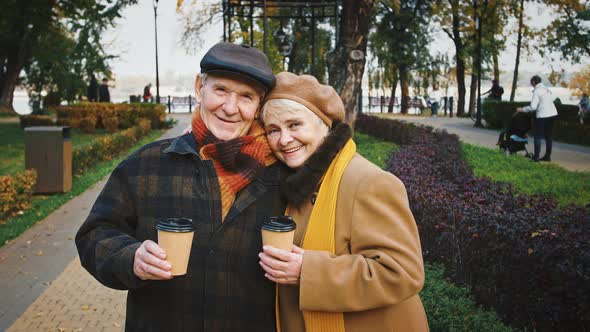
(49,151)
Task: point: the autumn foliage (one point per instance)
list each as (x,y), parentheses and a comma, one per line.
(83,115)
(16,192)
(521,254)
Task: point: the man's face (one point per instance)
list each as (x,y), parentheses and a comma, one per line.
(228,105)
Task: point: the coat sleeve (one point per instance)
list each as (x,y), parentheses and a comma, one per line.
(385,264)
(105,241)
(534,103)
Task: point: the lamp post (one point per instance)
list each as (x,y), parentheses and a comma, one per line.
(155,2)
(478,26)
(285,44)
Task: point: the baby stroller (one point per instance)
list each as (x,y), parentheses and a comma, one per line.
(514,138)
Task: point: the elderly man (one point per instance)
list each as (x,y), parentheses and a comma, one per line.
(223,176)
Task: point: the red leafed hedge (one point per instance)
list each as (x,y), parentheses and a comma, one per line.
(520,254)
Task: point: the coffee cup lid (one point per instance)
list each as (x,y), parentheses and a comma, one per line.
(176,225)
(279,224)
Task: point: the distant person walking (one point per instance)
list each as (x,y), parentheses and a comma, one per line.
(147,94)
(103,92)
(546,113)
(434,98)
(92,93)
(584,107)
(496,91)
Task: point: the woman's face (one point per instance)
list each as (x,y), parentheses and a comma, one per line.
(293,131)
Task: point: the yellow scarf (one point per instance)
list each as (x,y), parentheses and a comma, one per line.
(319,235)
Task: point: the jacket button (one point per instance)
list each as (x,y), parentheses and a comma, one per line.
(196,171)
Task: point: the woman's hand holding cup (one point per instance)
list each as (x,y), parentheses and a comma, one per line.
(281,266)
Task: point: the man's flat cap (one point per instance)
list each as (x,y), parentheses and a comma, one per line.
(243,60)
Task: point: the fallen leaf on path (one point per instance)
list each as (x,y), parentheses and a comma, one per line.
(46,283)
(40,253)
(117,324)
(39,314)
(85,307)
(22,257)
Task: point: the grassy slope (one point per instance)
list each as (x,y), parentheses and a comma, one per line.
(531,178)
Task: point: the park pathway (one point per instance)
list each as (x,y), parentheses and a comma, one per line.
(44,288)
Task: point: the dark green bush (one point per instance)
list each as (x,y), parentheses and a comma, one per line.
(498,114)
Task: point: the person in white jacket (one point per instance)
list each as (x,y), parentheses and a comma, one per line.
(546,113)
(435,96)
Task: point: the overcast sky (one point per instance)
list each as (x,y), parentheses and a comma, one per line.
(133,40)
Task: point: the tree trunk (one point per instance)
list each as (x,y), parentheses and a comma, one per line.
(13,66)
(518,46)
(346,73)
(496,67)
(459,59)
(392,98)
(404,81)
(472,91)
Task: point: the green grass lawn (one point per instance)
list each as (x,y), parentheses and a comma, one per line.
(12,146)
(44,205)
(530,178)
(374,149)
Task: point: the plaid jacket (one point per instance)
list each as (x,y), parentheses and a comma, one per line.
(225,288)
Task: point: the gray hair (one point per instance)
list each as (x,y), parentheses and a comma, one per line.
(293,105)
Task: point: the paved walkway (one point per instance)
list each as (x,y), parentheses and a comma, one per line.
(569,156)
(43,286)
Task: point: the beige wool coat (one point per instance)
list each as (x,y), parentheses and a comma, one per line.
(377,271)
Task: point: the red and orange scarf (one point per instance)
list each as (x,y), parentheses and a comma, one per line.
(237,161)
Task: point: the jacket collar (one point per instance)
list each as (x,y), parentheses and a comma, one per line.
(184,144)
(301,185)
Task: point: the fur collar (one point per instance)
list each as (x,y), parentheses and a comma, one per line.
(304,182)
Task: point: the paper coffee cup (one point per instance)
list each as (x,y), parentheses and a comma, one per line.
(175,236)
(278,232)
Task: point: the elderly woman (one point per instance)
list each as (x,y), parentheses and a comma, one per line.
(356,264)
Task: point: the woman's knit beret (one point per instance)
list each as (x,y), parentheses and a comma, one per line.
(305,89)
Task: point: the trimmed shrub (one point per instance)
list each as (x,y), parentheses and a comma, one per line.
(572,132)
(107,147)
(127,113)
(88,124)
(498,114)
(16,192)
(36,120)
(110,124)
(520,254)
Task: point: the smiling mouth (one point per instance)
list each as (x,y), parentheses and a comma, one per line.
(226,121)
(292,150)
